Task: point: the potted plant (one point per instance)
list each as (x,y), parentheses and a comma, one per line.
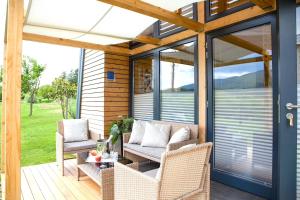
(117,129)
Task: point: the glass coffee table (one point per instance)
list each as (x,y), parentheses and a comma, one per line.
(101,173)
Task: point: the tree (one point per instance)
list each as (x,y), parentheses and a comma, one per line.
(73,76)
(46,92)
(63,91)
(31,75)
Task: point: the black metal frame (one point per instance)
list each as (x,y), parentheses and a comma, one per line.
(223,177)
(209,17)
(156,55)
(287,86)
(79,83)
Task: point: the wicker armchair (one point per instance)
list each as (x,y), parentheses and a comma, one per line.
(183,174)
(71,147)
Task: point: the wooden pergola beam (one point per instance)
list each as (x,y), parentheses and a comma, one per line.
(156,12)
(74,43)
(147,40)
(235,18)
(165,41)
(265,4)
(13,68)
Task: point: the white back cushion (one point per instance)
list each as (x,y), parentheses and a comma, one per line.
(75,130)
(137,133)
(156,135)
(181,135)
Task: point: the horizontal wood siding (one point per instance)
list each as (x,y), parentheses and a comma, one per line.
(103,101)
(116,93)
(92,95)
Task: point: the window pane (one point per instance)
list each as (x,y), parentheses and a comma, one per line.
(177,83)
(143,88)
(243,109)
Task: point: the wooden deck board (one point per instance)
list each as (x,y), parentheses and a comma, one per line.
(43,182)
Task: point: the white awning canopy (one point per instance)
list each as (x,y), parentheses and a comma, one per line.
(90,20)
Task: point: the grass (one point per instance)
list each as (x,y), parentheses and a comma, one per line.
(38,133)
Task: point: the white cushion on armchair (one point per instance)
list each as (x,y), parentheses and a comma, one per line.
(75,130)
(156,135)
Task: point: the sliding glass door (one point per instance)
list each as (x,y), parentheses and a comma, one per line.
(241,106)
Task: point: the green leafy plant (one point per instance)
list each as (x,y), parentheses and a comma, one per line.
(119,127)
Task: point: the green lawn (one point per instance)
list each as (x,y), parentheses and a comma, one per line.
(38,133)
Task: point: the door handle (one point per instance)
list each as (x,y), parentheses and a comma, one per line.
(291,106)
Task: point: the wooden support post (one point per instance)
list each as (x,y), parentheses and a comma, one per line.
(3,112)
(202,76)
(15,15)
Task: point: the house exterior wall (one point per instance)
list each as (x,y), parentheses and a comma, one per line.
(103,100)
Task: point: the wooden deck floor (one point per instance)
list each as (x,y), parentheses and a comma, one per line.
(43,182)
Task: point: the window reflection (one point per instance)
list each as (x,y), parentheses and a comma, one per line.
(177,83)
(243,104)
(143,88)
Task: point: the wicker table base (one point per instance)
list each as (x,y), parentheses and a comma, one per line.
(103,177)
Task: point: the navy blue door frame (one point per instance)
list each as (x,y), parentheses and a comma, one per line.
(287,87)
(225,178)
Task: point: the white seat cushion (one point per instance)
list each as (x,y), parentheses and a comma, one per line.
(148,151)
(138,131)
(156,135)
(76,146)
(75,130)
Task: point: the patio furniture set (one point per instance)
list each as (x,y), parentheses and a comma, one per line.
(184,171)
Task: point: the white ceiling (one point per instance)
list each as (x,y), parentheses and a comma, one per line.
(90,20)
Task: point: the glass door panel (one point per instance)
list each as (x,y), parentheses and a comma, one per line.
(243,106)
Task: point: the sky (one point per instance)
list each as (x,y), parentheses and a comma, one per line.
(56,58)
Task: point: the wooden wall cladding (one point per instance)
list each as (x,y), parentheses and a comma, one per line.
(102,100)
(116,98)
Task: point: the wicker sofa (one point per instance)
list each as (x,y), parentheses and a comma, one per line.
(138,153)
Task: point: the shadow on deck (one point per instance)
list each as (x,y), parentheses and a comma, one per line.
(44,182)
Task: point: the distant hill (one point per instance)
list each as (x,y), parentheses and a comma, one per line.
(251,80)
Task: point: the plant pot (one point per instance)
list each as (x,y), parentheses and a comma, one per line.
(117,147)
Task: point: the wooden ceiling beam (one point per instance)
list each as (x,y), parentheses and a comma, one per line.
(265,4)
(156,12)
(165,41)
(147,40)
(235,18)
(74,43)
